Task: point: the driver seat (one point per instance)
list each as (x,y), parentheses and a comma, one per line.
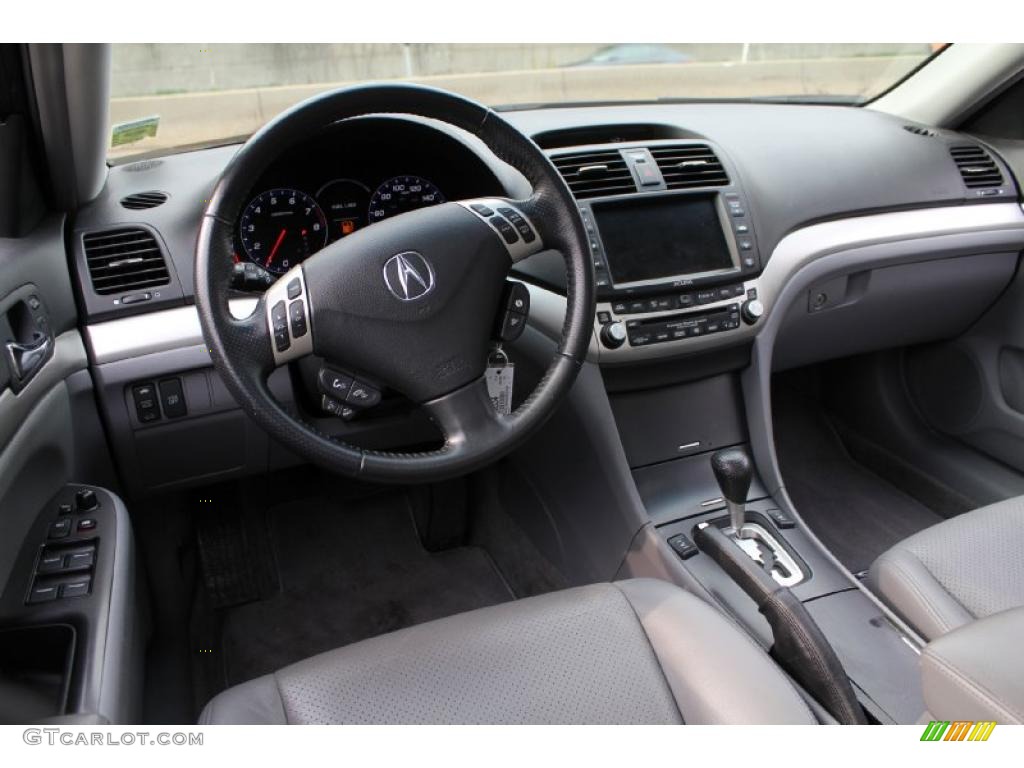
(638,651)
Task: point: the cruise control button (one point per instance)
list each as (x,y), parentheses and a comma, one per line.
(519,223)
(297,316)
(336,408)
(506,230)
(362,395)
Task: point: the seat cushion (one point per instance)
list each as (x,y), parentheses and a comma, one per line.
(957,571)
(639,651)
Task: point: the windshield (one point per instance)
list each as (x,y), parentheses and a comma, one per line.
(170,95)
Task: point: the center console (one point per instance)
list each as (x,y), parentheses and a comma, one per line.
(675,260)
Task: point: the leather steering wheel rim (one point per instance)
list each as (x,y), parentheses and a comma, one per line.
(241,349)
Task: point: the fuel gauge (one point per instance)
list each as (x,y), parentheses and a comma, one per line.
(344,203)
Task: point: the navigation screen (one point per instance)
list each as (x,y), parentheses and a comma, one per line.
(662,237)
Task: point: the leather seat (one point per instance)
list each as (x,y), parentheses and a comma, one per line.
(956,572)
(638,651)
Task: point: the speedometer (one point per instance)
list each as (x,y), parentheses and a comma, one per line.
(281,227)
(402,194)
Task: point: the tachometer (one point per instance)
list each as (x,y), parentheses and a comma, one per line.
(281,227)
(402,194)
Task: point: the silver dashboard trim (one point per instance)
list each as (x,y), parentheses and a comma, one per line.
(146,334)
(174,328)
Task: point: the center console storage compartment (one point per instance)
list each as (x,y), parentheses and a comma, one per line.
(35,672)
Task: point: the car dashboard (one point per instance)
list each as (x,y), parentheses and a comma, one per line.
(721,234)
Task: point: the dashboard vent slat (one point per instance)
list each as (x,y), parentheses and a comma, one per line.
(141,201)
(976,166)
(124,259)
(597,173)
(690,165)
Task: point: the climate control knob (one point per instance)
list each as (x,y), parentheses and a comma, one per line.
(752,311)
(613,335)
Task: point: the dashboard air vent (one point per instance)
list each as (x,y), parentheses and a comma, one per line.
(142,165)
(976,166)
(593,174)
(143,200)
(124,260)
(919,130)
(689,165)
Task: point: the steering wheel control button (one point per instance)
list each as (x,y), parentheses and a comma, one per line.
(297,317)
(60,528)
(683,546)
(294,288)
(86,500)
(146,408)
(279,317)
(334,383)
(337,408)
(482,209)
(362,395)
(512,327)
(519,223)
(506,230)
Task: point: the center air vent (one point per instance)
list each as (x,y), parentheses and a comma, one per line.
(140,201)
(593,174)
(690,165)
(124,260)
(976,166)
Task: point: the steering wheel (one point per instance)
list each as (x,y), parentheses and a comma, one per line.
(409,301)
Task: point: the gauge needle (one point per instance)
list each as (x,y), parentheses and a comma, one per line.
(277,244)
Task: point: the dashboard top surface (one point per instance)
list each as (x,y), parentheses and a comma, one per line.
(799,164)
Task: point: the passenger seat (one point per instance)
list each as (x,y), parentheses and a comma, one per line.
(956,572)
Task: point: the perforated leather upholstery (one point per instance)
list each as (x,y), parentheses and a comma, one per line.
(640,651)
(960,570)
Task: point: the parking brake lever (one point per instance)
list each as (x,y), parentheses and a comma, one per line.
(799,645)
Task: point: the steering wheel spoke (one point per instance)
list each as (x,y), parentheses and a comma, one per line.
(468,415)
(511,222)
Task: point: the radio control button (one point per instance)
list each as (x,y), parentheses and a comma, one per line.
(613,335)
(707,296)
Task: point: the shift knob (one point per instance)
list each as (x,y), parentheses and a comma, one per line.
(733,472)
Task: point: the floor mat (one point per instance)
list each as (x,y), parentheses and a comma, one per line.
(349,571)
(855,513)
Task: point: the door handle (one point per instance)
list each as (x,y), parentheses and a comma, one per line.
(27,358)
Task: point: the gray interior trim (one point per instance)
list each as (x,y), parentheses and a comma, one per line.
(68,357)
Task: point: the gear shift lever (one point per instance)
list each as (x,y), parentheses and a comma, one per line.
(733,472)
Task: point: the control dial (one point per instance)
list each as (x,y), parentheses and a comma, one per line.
(752,311)
(613,335)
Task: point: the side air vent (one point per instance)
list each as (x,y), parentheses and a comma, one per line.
(143,200)
(976,166)
(124,260)
(919,130)
(689,165)
(593,174)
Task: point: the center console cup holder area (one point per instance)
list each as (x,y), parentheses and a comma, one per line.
(35,672)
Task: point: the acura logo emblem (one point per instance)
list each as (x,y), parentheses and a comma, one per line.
(408,276)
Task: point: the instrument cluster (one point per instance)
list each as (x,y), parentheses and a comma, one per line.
(358,173)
